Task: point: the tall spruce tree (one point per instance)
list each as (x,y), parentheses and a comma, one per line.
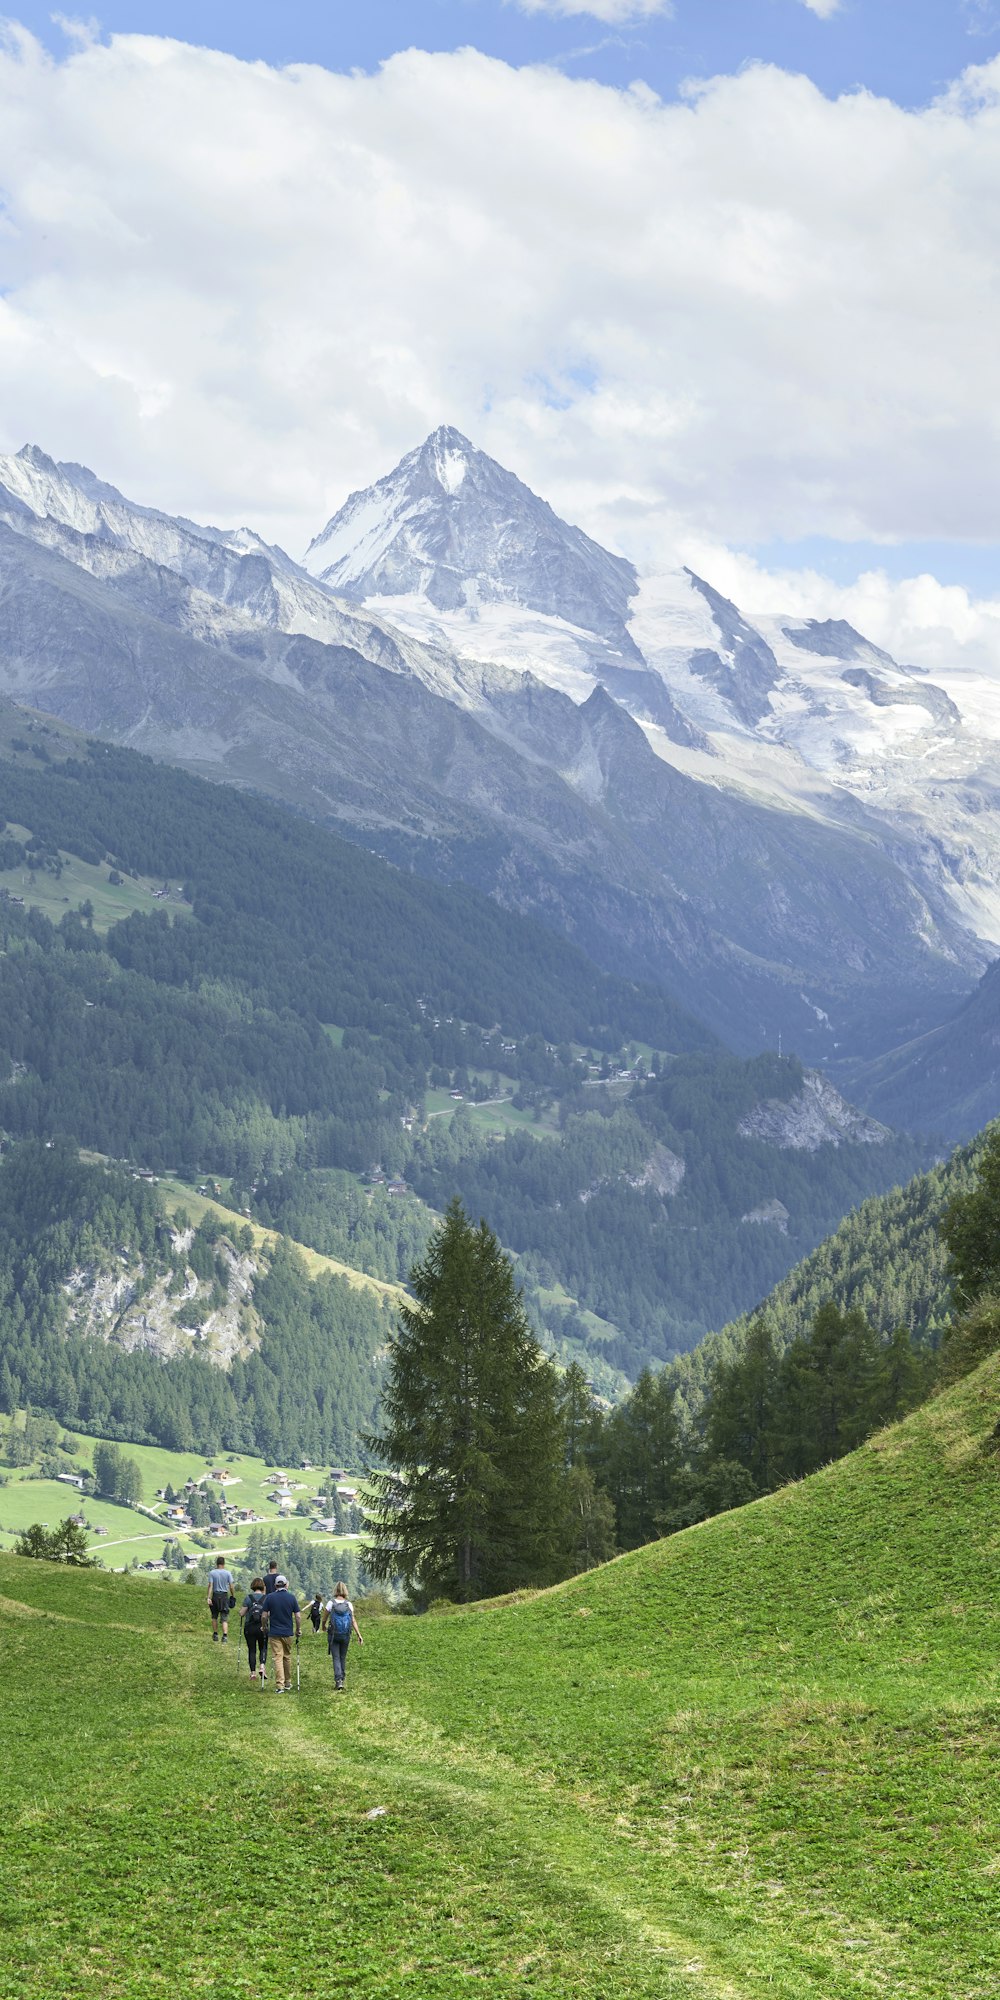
(472,1432)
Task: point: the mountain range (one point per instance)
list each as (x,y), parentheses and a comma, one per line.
(790,831)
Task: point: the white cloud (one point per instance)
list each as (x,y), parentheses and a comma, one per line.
(917,619)
(615,13)
(824,8)
(751,315)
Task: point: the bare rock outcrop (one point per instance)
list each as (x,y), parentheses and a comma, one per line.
(816,1116)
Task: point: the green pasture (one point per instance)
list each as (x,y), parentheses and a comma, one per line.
(758,1761)
(25,1499)
(83,881)
(500,1116)
(176,1194)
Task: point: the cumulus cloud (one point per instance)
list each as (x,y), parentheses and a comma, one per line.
(824,8)
(753,314)
(917,619)
(616,13)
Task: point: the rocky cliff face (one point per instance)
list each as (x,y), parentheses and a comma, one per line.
(132,1309)
(816,1116)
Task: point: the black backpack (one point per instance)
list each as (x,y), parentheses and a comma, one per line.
(255,1614)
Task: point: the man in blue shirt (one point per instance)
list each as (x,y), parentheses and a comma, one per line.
(283,1618)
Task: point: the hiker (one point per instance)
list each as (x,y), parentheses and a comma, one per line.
(271,1579)
(283,1617)
(316,1610)
(254,1618)
(221,1598)
(338,1623)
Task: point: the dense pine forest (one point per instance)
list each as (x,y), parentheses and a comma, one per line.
(280,1017)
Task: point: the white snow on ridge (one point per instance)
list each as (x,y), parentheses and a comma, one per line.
(451,467)
(670,615)
(365,530)
(500,634)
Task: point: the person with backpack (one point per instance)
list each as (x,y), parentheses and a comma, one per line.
(283,1618)
(254,1617)
(338,1623)
(316,1610)
(221,1598)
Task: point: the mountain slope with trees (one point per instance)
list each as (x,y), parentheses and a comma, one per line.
(289,1014)
(888,1259)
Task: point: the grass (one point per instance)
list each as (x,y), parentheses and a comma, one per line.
(177,1194)
(759,1759)
(25,1499)
(499,1116)
(83,881)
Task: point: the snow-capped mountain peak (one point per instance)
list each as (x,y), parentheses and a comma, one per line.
(452,527)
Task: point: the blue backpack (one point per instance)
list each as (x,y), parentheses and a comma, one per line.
(340,1619)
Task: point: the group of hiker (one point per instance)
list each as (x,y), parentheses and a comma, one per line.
(271,1617)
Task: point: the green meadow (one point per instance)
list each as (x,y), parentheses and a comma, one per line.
(179,1194)
(83,881)
(25,1498)
(757,1761)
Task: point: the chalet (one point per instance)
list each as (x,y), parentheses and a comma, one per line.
(70,1479)
(397,1188)
(347,1493)
(79,1520)
(100,1531)
(324,1524)
(285,1500)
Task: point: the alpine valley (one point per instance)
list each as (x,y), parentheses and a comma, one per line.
(622,845)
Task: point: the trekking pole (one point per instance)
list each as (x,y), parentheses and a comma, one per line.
(298,1669)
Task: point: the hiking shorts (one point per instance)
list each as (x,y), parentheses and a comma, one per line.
(219,1607)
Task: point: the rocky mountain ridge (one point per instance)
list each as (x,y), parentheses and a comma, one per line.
(579,779)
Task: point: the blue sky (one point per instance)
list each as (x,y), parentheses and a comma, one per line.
(749,322)
(903,49)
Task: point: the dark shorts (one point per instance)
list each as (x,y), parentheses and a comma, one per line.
(220,1607)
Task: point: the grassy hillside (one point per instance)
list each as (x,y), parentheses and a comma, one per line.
(756,1760)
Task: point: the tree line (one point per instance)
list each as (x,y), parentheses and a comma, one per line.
(502,1475)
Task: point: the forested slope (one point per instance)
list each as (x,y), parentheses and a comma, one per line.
(302,1382)
(317,1030)
(887,1258)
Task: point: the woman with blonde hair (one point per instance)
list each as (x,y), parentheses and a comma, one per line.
(338,1624)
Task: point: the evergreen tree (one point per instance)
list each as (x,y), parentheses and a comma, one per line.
(970,1227)
(641,1460)
(472,1431)
(67,1543)
(740,1408)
